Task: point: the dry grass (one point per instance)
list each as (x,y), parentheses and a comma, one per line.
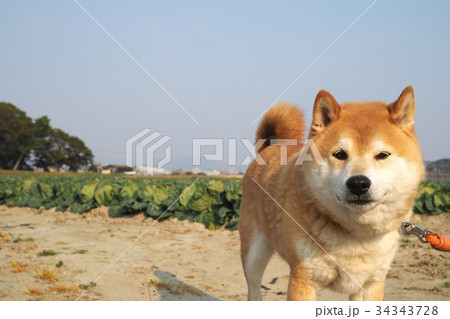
(62,243)
(34,292)
(31,247)
(18,266)
(182,231)
(208,288)
(80,251)
(233,243)
(61,289)
(78,271)
(47,273)
(4,238)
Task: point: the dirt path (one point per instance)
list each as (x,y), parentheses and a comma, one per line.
(172,261)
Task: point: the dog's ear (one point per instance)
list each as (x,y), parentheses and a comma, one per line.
(401,112)
(326,110)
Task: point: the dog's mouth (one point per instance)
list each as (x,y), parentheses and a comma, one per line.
(360,202)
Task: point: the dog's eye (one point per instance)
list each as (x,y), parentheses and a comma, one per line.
(340,155)
(382,156)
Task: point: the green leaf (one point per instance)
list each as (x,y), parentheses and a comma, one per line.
(201,204)
(233,190)
(153,211)
(233,224)
(34,202)
(216,186)
(159,195)
(46,191)
(429,204)
(116,211)
(82,208)
(104,194)
(187,195)
(87,191)
(222,212)
(438,200)
(26,186)
(129,190)
(428,189)
(418,207)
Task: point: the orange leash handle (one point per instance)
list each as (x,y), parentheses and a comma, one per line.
(438,242)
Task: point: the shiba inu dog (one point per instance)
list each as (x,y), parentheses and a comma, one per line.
(336,218)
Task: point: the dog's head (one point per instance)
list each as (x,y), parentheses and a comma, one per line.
(371,155)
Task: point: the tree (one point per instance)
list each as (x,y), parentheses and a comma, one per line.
(78,154)
(41,143)
(24,142)
(16,134)
(64,150)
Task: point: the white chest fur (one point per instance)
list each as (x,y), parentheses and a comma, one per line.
(348,263)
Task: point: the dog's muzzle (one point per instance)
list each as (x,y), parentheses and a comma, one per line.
(358,187)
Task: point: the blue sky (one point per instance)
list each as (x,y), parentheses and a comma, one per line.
(225,63)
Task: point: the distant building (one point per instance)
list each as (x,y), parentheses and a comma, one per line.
(439,170)
(197,171)
(149,170)
(108,169)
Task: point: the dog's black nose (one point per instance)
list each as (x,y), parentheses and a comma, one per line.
(358,184)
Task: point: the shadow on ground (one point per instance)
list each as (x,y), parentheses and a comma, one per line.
(170,288)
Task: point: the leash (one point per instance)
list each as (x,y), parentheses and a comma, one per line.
(436,240)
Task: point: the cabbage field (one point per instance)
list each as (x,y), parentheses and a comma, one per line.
(212,202)
(433,198)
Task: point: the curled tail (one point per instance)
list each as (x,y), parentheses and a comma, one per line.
(282,121)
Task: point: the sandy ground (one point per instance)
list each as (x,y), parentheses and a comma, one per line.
(47,255)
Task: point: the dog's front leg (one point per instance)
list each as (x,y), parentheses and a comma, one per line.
(373,290)
(300,285)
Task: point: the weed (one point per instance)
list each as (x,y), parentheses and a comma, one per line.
(148,283)
(18,266)
(80,251)
(4,238)
(63,289)
(47,273)
(59,264)
(447,284)
(45,253)
(17,238)
(78,271)
(86,287)
(405,243)
(34,292)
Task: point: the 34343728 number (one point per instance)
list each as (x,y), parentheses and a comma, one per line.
(407,310)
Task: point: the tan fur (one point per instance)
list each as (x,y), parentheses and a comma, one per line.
(292,127)
(362,239)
